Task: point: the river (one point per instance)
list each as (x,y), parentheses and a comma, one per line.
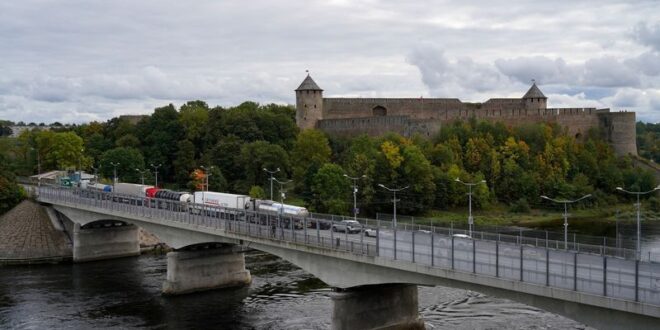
(125,293)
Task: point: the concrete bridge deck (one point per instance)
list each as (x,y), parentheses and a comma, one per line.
(599,290)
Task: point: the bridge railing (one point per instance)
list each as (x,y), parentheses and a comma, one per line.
(585,268)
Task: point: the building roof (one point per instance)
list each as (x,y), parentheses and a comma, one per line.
(308,85)
(534,93)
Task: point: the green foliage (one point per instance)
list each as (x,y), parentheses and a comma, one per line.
(310,151)
(518,164)
(330,189)
(257,192)
(10,192)
(520,206)
(256,156)
(129,159)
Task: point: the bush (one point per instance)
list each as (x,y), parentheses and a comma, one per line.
(520,206)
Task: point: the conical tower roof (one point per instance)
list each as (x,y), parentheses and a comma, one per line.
(308,85)
(534,93)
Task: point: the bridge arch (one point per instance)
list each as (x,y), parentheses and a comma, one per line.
(107,223)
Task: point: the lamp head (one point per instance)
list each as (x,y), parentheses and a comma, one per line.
(345,175)
(619,188)
(483,181)
(381,185)
(457,180)
(545,197)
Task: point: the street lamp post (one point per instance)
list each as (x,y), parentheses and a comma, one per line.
(156,171)
(566,202)
(38,166)
(282,196)
(207,174)
(355,190)
(114,179)
(639,207)
(394,200)
(80,168)
(470,185)
(271,180)
(96,171)
(142,174)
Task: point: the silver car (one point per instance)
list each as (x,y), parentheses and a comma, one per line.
(349,226)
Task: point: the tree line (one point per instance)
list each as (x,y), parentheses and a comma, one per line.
(234,145)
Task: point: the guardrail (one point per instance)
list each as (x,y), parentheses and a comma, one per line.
(599,270)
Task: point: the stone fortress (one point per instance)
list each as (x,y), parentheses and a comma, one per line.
(407,116)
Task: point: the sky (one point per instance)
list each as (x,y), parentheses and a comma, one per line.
(75,61)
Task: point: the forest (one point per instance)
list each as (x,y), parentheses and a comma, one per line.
(234,145)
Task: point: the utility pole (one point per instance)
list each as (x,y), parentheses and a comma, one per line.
(114,180)
(470,185)
(271,179)
(282,197)
(394,200)
(156,171)
(355,190)
(80,168)
(566,202)
(142,174)
(96,171)
(639,208)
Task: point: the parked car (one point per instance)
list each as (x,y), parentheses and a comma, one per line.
(370,232)
(461,236)
(350,226)
(322,224)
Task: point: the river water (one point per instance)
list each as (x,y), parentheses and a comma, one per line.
(125,293)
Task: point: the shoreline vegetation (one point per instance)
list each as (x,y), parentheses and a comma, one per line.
(195,147)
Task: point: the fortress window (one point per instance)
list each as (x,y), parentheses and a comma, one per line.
(379,111)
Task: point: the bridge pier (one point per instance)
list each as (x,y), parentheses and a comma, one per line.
(204,269)
(105,241)
(386,306)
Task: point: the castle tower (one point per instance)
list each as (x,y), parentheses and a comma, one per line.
(309,104)
(534,99)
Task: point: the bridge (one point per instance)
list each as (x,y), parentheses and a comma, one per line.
(376,277)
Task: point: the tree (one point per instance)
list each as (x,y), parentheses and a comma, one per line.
(160,135)
(331,190)
(193,117)
(257,155)
(10,192)
(184,162)
(311,150)
(129,159)
(257,192)
(60,150)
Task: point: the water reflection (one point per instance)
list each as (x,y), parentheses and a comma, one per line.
(125,293)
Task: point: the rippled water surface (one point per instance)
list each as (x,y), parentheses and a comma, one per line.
(125,293)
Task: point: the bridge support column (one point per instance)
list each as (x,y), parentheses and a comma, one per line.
(388,306)
(106,241)
(198,270)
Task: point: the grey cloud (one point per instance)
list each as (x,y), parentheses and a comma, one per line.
(453,78)
(541,68)
(647,63)
(648,35)
(78,59)
(609,72)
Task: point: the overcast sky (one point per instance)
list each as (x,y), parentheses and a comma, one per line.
(77,61)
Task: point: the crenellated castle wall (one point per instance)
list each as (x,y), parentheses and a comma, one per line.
(407,116)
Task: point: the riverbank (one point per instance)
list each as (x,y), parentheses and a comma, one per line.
(27,236)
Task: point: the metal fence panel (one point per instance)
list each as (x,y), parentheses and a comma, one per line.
(621,278)
(534,265)
(590,273)
(561,269)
